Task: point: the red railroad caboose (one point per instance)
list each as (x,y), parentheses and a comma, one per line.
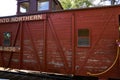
(79,42)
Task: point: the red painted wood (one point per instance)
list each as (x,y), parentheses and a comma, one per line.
(50,44)
(13,44)
(45,46)
(21,44)
(73,44)
(33,46)
(57,41)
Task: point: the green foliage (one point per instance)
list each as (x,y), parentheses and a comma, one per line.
(72,4)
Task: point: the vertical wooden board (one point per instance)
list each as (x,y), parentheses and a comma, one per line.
(33,45)
(62,29)
(54,60)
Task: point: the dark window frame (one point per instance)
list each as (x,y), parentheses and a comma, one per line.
(54,5)
(7,42)
(26,10)
(87,37)
(49,2)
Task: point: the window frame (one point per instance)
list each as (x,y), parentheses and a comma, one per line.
(10,40)
(89,40)
(54,6)
(49,2)
(26,10)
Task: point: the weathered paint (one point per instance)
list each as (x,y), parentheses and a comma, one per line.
(50,44)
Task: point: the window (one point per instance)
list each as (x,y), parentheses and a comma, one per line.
(43,5)
(24,7)
(83,38)
(7,38)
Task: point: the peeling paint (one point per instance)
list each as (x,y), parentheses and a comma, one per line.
(93,60)
(29,61)
(56,64)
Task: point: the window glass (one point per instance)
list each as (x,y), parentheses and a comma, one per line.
(43,5)
(83,38)
(24,7)
(7,38)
